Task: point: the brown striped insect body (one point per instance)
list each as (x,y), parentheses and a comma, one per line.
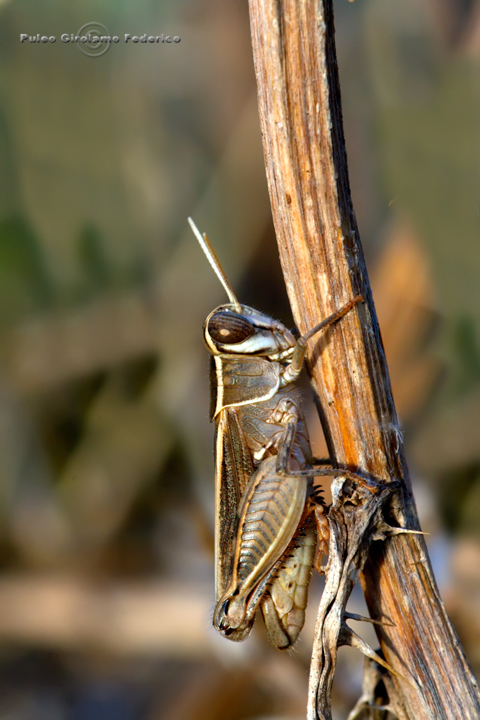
(265,534)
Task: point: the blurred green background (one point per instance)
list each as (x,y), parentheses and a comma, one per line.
(106,485)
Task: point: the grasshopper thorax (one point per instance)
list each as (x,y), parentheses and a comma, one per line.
(241,330)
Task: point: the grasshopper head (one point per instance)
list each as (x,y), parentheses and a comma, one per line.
(245,331)
(239,329)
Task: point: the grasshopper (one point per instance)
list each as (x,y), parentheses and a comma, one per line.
(267,516)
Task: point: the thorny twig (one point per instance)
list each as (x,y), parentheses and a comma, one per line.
(356,518)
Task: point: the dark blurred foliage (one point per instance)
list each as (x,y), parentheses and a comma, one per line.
(106,488)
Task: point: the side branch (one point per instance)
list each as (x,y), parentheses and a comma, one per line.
(324,268)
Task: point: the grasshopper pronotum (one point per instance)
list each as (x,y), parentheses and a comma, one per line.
(266,520)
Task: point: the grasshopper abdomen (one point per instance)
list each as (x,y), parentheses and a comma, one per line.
(284,605)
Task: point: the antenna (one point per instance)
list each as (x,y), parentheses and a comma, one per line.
(215,263)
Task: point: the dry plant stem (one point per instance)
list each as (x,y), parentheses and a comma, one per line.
(370,705)
(323,264)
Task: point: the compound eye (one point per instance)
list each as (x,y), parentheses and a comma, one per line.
(229,329)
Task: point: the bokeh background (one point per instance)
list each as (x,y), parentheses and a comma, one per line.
(106,487)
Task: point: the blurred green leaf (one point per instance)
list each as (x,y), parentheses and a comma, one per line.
(24,282)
